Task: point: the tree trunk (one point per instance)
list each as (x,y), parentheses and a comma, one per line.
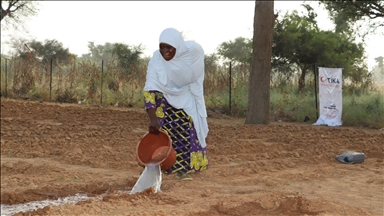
(259,79)
(3,14)
(302,78)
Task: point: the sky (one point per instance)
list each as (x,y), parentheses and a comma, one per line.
(75,23)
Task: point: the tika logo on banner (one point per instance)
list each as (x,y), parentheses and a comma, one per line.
(330,80)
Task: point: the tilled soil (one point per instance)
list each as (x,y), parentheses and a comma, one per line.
(51,150)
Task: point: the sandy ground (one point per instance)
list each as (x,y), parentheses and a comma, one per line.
(53,150)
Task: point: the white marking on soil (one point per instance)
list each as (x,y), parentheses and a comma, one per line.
(8,210)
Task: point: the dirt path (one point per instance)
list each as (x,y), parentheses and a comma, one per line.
(53,150)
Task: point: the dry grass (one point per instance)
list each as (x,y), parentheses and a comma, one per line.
(86,82)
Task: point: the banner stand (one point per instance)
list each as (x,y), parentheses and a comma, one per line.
(330,96)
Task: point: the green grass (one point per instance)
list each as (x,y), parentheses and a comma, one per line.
(287,105)
(365,110)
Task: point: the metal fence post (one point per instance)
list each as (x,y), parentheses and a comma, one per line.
(230,86)
(50,82)
(6,78)
(101,85)
(317,110)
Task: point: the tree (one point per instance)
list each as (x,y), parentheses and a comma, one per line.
(127,56)
(294,43)
(379,60)
(99,52)
(13,11)
(42,51)
(345,12)
(210,62)
(212,72)
(31,54)
(356,9)
(238,50)
(51,49)
(298,41)
(259,80)
(378,70)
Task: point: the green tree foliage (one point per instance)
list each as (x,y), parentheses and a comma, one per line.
(341,51)
(210,62)
(295,43)
(355,10)
(298,41)
(379,61)
(378,70)
(43,51)
(238,50)
(344,13)
(51,49)
(13,12)
(35,54)
(99,52)
(127,57)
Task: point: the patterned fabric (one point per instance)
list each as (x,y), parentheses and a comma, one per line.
(190,156)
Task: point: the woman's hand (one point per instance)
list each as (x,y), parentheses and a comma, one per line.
(153,122)
(154,126)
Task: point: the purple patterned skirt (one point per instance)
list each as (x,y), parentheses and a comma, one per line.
(190,156)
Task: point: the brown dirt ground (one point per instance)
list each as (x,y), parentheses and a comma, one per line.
(51,150)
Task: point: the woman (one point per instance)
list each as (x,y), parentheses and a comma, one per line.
(174,100)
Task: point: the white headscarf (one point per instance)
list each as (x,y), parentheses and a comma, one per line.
(181,79)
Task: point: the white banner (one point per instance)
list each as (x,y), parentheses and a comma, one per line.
(330,96)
